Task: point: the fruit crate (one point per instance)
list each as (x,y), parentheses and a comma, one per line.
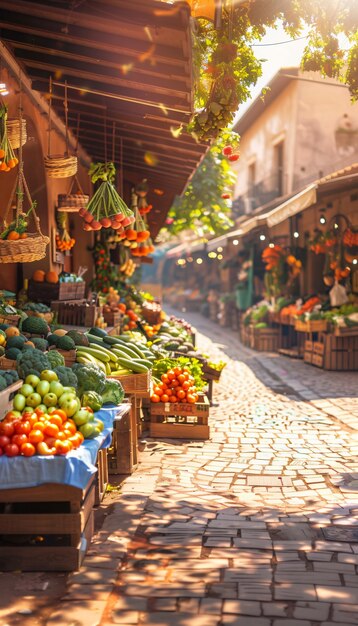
(112,318)
(121,455)
(11,320)
(7,364)
(45,528)
(7,396)
(47,292)
(102,476)
(333,353)
(76,313)
(265,339)
(180,420)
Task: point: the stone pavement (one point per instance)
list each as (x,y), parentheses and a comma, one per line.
(256,527)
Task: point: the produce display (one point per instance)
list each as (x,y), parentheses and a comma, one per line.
(47,419)
(176,384)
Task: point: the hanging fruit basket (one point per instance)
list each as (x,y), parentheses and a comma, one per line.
(13,132)
(17,245)
(59,166)
(72,201)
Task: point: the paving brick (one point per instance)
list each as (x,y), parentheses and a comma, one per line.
(236,620)
(242,607)
(316,611)
(346,595)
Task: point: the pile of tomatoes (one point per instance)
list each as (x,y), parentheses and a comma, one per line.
(38,433)
(176,385)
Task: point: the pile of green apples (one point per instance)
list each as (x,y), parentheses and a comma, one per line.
(46,394)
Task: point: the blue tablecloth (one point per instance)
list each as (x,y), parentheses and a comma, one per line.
(75,469)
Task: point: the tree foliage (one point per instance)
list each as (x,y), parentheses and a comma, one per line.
(227,68)
(201,208)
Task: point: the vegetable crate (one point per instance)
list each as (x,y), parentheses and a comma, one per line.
(76,313)
(47,292)
(265,339)
(45,528)
(113,318)
(102,476)
(121,455)
(333,353)
(311,326)
(138,384)
(11,320)
(68,355)
(179,420)
(7,364)
(6,397)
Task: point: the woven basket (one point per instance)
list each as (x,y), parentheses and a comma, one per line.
(60,166)
(33,248)
(13,132)
(72,202)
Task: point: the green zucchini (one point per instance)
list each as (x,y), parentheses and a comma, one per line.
(109,353)
(94,339)
(132,351)
(96,352)
(138,368)
(149,364)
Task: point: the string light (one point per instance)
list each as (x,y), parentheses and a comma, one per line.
(271,245)
(199,261)
(190,259)
(296,234)
(355,262)
(181,262)
(235,242)
(336,226)
(3,90)
(219,249)
(220,257)
(212,255)
(262,237)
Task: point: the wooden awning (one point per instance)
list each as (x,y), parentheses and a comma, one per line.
(128,67)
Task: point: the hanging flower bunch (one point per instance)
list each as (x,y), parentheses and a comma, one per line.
(8,160)
(106,209)
(321,241)
(64,241)
(272,257)
(281,270)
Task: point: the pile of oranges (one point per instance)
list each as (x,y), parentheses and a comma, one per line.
(64,244)
(176,385)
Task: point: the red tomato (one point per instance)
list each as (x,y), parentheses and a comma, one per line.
(174,383)
(158,391)
(55,419)
(63,447)
(170,374)
(181,378)
(190,398)
(7,429)
(51,430)
(12,449)
(39,412)
(19,439)
(164,397)
(186,385)
(1,452)
(39,426)
(165,379)
(10,415)
(70,426)
(181,394)
(22,427)
(61,413)
(27,449)
(35,436)
(173,399)
(154,398)
(177,371)
(4,441)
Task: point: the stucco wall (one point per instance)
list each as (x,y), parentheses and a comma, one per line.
(327,128)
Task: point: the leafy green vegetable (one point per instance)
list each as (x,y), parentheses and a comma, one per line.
(56,359)
(66,376)
(32,361)
(92,399)
(113,392)
(89,377)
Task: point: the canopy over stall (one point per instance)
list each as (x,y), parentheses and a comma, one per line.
(128,68)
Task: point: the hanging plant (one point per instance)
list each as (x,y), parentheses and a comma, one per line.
(8,160)
(106,209)
(105,277)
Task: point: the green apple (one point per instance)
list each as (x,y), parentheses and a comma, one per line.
(50,399)
(48,375)
(32,380)
(43,387)
(56,387)
(28,409)
(89,430)
(99,424)
(70,390)
(34,399)
(66,396)
(19,402)
(26,390)
(71,405)
(82,417)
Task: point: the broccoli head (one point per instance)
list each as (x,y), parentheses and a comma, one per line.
(89,377)
(66,376)
(32,361)
(56,359)
(113,392)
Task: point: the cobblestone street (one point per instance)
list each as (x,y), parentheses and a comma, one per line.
(256,527)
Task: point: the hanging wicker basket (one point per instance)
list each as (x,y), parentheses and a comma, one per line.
(60,166)
(33,248)
(13,132)
(72,201)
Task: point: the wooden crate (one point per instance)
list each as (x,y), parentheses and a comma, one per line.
(62,516)
(307,357)
(102,476)
(343,331)
(68,355)
(265,339)
(138,384)
(76,313)
(121,456)
(179,420)
(47,292)
(6,398)
(11,320)
(311,326)
(333,353)
(7,364)
(112,318)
